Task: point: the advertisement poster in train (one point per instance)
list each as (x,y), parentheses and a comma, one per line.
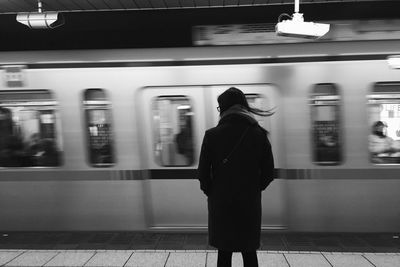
(47,124)
(326,135)
(100,136)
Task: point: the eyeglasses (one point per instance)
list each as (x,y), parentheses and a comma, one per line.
(218,109)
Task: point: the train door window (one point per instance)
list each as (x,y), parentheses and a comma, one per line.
(173,134)
(99,128)
(29,129)
(384,122)
(326,125)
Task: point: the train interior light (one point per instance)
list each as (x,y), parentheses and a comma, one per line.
(394,62)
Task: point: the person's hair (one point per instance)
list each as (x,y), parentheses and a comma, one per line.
(234,96)
(376,125)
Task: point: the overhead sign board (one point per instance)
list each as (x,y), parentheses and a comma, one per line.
(14,75)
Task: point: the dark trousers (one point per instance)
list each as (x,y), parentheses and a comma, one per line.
(225,259)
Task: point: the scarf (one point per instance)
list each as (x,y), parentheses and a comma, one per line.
(241,111)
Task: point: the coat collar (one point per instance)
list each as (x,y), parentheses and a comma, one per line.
(237,111)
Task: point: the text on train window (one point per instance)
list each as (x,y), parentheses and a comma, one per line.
(29,129)
(325,102)
(173,134)
(98,127)
(384,122)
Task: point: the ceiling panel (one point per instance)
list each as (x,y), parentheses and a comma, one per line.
(54,5)
(246,2)
(100,4)
(128,4)
(217,3)
(232,2)
(14,6)
(21,4)
(85,4)
(8,6)
(188,3)
(173,3)
(202,3)
(49,5)
(158,4)
(143,4)
(60,5)
(114,4)
(259,2)
(4,7)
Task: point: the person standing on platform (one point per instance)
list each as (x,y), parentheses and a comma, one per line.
(236,165)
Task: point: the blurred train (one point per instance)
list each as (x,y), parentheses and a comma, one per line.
(109,140)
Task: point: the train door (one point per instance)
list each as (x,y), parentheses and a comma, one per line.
(263,96)
(172,124)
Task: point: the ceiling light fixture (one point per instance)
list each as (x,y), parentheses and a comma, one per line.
(297,27)
(41,19)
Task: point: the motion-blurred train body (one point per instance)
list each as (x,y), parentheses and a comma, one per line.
(109,140)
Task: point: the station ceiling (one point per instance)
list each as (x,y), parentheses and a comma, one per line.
(104,24)
(14,6)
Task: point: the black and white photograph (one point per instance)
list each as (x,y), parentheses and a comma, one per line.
(200,133)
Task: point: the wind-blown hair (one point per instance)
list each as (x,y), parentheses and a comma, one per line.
(234,96)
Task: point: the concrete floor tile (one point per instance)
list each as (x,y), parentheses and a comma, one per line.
(383,260)
(32,259)
(264,259)
(307,260)
(211,259)
(237,260)
(70,259)
(347,260)
(271,260)
(192,259)
(7,256)
(147,259)
(108,258)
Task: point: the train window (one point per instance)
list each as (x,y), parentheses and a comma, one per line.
(98,127)
(326,125)
(173,135)
(29,133)
(384,120)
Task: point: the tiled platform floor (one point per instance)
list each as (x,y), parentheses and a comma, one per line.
(323,242)
(190,258)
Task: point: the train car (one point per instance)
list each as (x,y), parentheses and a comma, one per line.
(109,140)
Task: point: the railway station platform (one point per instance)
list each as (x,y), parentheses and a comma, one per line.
(187,250)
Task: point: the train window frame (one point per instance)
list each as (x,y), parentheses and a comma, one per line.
(156,135)
(44,128)
(383,93)
(99,104)
(332,144)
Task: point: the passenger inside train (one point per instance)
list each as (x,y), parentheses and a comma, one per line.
(173,122)
(184,138)
(382,146)
(27,138)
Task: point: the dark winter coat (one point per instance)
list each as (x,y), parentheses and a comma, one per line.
(234,189)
